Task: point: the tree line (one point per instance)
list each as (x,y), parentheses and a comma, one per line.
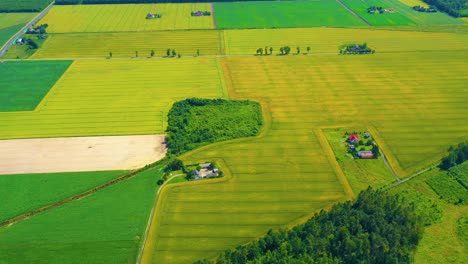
(457,155)
(284,50)
(376,228)
(455,8)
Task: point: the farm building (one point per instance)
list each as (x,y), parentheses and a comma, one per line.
(205,171)
(365,154)
(353,138)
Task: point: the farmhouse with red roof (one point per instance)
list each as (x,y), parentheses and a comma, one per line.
(353,138)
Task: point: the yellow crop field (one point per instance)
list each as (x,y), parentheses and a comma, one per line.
(115,97)
(83,45)
(329,39)
(413,107)
(243,42)
(125,18)
(414,3)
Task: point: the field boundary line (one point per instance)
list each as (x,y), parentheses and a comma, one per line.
(333,163)
(53,89)
(75,197)
(10,41)
(353,13)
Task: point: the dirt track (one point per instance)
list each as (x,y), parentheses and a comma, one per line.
(79,153)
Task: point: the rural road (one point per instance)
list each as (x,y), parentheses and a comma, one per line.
(410,177)
(352,12)
(389,167)
(11,41)
(142,247)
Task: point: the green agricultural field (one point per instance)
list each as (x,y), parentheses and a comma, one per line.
(460,173)
(106,227)
(23,193)
(287,173)
(282,14)
(10,23)
(23,5)
(124,45)
(403,14)
(24,84)
(448,188)
(125,18)
(326,40)
(115,97)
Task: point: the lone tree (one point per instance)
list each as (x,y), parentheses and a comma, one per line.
(298,50)
(271,50)
(308,50)
(282,50)
(110,54)
(266,50)
(136,53)
(198,52)
(174,53)
(152,53)
(168,52)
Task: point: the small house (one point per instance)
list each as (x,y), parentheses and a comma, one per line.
(365,154)
(205,171)
(353,138)
(367,135)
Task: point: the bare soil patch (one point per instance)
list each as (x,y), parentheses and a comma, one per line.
(80,153)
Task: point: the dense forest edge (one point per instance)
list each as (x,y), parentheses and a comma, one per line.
(377,227)
(455,8)
(196,122)
(457,155)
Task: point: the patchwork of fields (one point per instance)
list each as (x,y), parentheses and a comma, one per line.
(116,97)
(243,42)
(106,227)
(285,174)
(125,18)
(411,95)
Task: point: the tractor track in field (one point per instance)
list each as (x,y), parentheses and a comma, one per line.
(79,196)
(354,13)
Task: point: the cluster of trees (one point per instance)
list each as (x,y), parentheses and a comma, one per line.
(375,10)
(457,155)
(456,8)
(356,49)
(376,228)
(264,51)
(173,165)
(200,13)
(429,9)
(196,122)
(40,30)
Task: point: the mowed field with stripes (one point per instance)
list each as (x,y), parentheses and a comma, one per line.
(125,18)
(117,97)
(413,106)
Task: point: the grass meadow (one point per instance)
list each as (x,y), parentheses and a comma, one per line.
(22,90)
(10,23)
(106,227)
(23,5)
(282,14)
(286,174)
(404,15)
(115,97)
(124,45)
(441,242)
(32,191)
(125,18)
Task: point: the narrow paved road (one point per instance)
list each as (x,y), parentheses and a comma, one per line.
(11,41)
(389,167)
(352,12)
